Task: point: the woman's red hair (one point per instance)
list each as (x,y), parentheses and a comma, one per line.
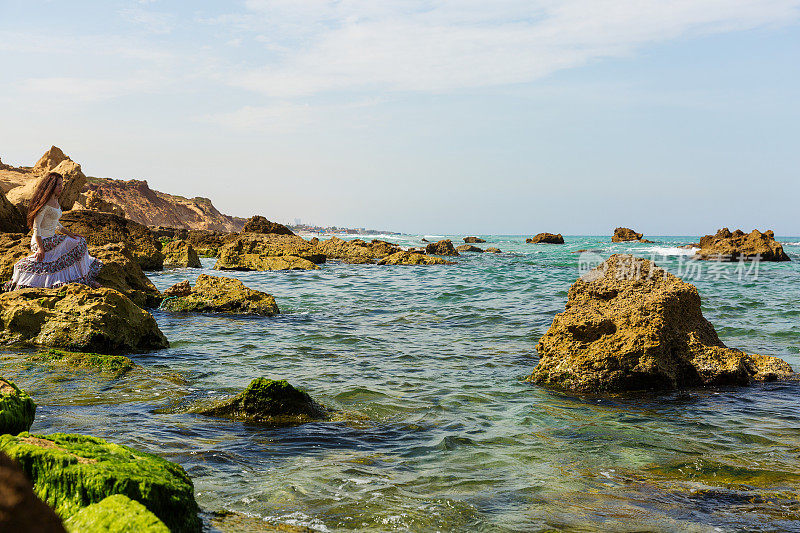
(44,190)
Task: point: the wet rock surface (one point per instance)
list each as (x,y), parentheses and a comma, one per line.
(738,245)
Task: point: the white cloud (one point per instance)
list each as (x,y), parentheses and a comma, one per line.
(438,46)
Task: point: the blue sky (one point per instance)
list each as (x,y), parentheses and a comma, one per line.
(670,116)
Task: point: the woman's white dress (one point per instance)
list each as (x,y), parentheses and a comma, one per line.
(66,260)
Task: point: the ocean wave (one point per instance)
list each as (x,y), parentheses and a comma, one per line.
(672,250)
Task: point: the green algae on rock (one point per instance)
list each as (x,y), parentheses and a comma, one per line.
(268,401)
(17,409)
(413,258)
(78,318)
(115,364)
(179,253)
(218,294)
(115,514)
(71,472)
(630,325)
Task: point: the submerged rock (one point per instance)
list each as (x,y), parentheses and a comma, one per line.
(473,240)
(21,510)
(122,273)
(469,248)
(118,365)
(217,294)
(546,238)
(627,234)
(727,246)
(16,408)
(268,252)
(180,253)
(630,325)
(259,224)
(443,247)
(71,472)
(271,402)
(100,229)
(78,318)
(117,513)
(412,258)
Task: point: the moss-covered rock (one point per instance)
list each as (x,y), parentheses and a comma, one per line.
(115,514)
(179,253)
(78,318)
(270,402)
(16,408)
(413,258)
(21,510)
(71,472)
(218,294)
(114,364)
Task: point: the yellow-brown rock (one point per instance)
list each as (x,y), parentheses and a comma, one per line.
(11,220)
(629,325)
(78,318)
(546,238)
(180,253)
(122,273)
(217,294)
(259,224)
(184,288)
(92,201)
(13,247)
(412,258)
(27,179)
(468,248)
(356,251)
(473,240)
(443,247)
(104,228)
(627,234)
(727,246)
(268,252)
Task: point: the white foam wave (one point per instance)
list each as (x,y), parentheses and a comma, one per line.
(672,250)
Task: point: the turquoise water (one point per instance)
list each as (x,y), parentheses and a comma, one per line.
(440,431)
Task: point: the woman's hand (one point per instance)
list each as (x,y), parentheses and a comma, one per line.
(39,255)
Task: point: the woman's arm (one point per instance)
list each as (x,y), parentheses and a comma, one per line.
(40,250)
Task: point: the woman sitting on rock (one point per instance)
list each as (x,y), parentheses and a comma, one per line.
(58,258)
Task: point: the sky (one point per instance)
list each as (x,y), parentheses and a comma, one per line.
(674,117)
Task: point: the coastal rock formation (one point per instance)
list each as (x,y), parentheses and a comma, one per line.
(206,243)
(216,294)
(92,201)
(116,513)
(469,248)
(268,252)
(259,224)
(546,238)
(268,401)
(412,258)
(16,408)
(142,204)
(122,273)
(356,251)
(727,246)
(19,183)
(180,254)
(443,247)
(71,472)
(493,250)
(21,510)
(76,317)
(13,247)
(11,220)
(473,240)
(627,234)
(184,288)
(630,325)
(104,228)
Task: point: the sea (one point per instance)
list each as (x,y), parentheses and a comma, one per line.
(437,427)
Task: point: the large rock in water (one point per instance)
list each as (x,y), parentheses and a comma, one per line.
(546,238)
(71,472)
(117,513)
(268,252)
(54,160)
(217,294)
(104,228)
(727,246)
(268,401)
(122,273)
(79,318)
(21,510)
(627,234)
(16,408)
(473,240)
(11,220)
(629,325)
(180,253)
(413,258)
(443,247)
(259,224)
(356,251)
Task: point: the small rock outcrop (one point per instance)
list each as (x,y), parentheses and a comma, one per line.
(469,248)
(217,294)
(491,250)
(104,228)
(356,251)
(180,253)
(629,325)
(72,472)
(21,510)
(473,240)
(76,317)
(627,234)
(268,401)
(122,273)
(738,245)
(413,258)
(16,408)
(11,220)
(184,288)
(443,247)
(259,224)
(116,513)
(268,252)
(546,238)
